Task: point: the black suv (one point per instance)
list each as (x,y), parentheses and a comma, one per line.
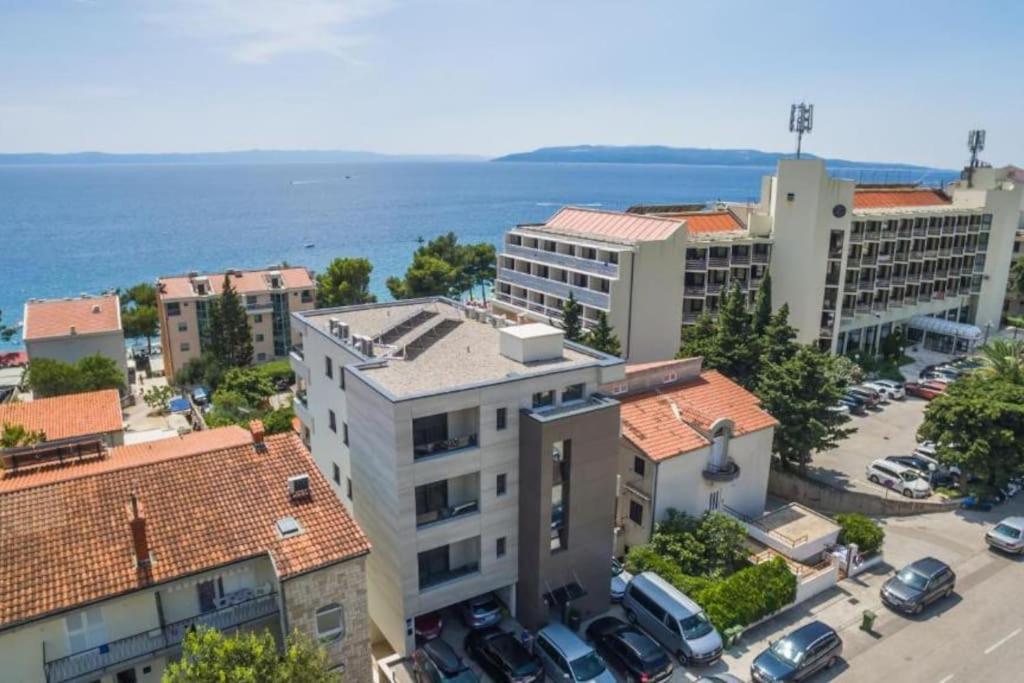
(799,655)
(503,656)
(629,650)
(940,476)
(918,584)
(436,662)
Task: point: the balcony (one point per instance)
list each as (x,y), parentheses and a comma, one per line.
(828,305)
(445,433)
(93,662)
(878,306)
(902,257)
(448,563)
(826,332)
(884,258)
(934,229)
(924,296)
(896,302)
(881,283)
(869,259)
(850,287)
(715,287)
(690,317)
(856,237)
(695,290)
(726,472)
(931,253)
(525,304)
(718,262)
(762,257)
(958,249)
(866,285)
(945,251)
(836,253)
(696,264)
(297,353)
(443,501)
(740,259)
(561,290)
(853,261)
(863,308)
(553,258)
(847,312)
(920,231)
(913,277)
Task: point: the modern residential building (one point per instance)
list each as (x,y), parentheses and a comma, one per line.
(70,329)
(691,441)
(478,456)
(110,560)
(1014,304)
(90,417)
(270,296)
(623,265)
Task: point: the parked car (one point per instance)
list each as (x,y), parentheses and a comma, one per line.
(926,390)
(428,626)
(918,585)
(881,395)
(674,620)
(965,364)
(899,478)
(620,579)
(201,396)
(937,378)
(629,650)
(888,388)
(503,657)
(869,396)
(567,658)
(856,404)
(1007,536)
(436,662)
(799,655)
(481,611)
(931,470)
(841,408)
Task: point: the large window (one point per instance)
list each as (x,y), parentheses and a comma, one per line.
(572,393)
(543,398)
(639,466)
(561,455)
(332,421)
(501,485)
(636,513)
(427,431)
(173,308)
(85,629)
(431,498)
(330,622)
(501,419)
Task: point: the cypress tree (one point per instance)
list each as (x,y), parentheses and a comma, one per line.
(736,349)
(763,305)
(778,338)
(699,339)
(603,338)
(230,336)
(572,321)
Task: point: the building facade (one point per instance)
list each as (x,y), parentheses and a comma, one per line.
(470,451)
(269,297)
(70,329)
(691,441)
(165,536)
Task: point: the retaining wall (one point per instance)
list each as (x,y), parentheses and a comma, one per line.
(832,500)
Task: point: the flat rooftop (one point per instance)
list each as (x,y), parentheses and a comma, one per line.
(796,524)
(430,346)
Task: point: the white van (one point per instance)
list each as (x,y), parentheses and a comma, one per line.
(673,619)
(899,478)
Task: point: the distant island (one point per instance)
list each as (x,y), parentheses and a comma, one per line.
(657,154)
(255,156)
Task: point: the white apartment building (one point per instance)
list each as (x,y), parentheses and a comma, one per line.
(68,330)
(470,451)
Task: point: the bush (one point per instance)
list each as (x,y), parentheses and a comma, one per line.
(865,532)
(710,545)
(748,595)
(277,369)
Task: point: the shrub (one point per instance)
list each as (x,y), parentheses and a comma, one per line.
(749,594)
(710,545)
(277,369)
(865,532)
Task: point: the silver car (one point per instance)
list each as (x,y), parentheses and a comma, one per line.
(1007,536)
(888,388)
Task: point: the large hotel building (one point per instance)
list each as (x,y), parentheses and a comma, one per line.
(854,262)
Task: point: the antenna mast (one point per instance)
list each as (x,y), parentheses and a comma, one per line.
(801,120)
(975,143)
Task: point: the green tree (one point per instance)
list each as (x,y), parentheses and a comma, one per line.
(427,276)
(699,339)
(1017,277)
(443,267)
(710,545)
(99,372)
(602,337)
(345,282)
(14,435)
(249,383)
(891,347)
(800,393)
(47,377)
(978,424)
(279,420)
(862,530)
(206,370)
(572,319)
(158,397)
(139,316)
(479,262)
(209,656)
(778,338)
(762,305)
(230,336)
(1004,359)
(736,350)
(7,332)
(229,408)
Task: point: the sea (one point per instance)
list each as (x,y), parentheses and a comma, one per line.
(72,229)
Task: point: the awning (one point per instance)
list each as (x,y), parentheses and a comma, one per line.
(948,327)
(565,594)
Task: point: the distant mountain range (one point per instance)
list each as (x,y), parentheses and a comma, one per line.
(657,154)
(255,156)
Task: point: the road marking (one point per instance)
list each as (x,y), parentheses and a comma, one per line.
(947,679)
(1001,642)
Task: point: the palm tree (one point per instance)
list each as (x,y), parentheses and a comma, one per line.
(1004,358)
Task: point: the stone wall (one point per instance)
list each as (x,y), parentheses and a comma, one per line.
(832,500)
(344,584)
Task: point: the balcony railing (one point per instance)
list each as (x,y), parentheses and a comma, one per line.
(902,256)
(438,578)
(850,287)
(585,296)
(150,643)
(694,290)
(696,264)
(863,308)
(429,448)
(920,231)
(691,316)
(563,260)
(741,259)
(718,261)
(895,303)
(726,472)
(444,514)
(715,287)
(836,253)
(856,237)
(298,352)
(301,399)
(761,258)
(934,229)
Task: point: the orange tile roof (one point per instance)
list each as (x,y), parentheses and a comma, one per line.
(897,198)
(56,317)
(62,417)
(650,423)
(249,282)
(69,543)
(708,221)
(612,224)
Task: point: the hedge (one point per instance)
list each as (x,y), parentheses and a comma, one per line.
(856,528)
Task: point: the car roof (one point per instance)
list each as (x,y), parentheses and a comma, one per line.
(929,566)
(638,641)
(895,466)
(442,655)
(810,633)
(680,606)
(565,641)
(1016,522)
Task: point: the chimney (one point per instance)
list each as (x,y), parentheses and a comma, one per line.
(95,308)
(72,330)
(137,523)
(258,432)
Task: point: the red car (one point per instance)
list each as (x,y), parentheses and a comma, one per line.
(428,626)
(925,390)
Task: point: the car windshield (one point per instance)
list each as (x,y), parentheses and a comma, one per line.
(696,626)
(908,476)
(1008,531)
(587,667)
(485,607)
(787,651)
(911,578)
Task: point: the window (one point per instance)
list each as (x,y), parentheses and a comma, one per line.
(501,485)
(341,378)
(330,622)
(501,418)
(572,393)
(85,629)
(328,367)
(251,299)
(636,513)
(261,356)
(499,547)
(670,377)
(184,346)
(619,388)
(337,472)
(344,433)
(560,457)
(258,318)
(332,421)
(348,488)
(639,466)
(543,398)
(259,337)
(173,308)
(182,327)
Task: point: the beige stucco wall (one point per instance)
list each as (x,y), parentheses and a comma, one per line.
(73,347)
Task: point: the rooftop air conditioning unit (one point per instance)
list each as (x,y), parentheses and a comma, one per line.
(332,325)
(298,486)
(343,331)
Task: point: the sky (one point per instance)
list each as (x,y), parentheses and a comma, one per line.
(891,81)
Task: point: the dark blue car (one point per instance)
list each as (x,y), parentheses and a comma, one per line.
(799,655)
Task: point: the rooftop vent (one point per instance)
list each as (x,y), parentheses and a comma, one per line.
(95,308)
(72,330)
(298,487)
(288,526)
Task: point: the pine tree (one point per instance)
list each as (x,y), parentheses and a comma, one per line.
(572,321)
(736,349)
(230,336)
(603,338)
(778,338)
(698,339)
(763,305)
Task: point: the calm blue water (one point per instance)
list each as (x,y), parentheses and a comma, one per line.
(71,229)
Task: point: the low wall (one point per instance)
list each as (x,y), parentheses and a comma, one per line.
(832,500)
(812,584)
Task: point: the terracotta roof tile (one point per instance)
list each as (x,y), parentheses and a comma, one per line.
(612,224)
(674,420)
(700,222)
(897,198)
(69,543)
(62,417)
(56,317)
(249,282)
